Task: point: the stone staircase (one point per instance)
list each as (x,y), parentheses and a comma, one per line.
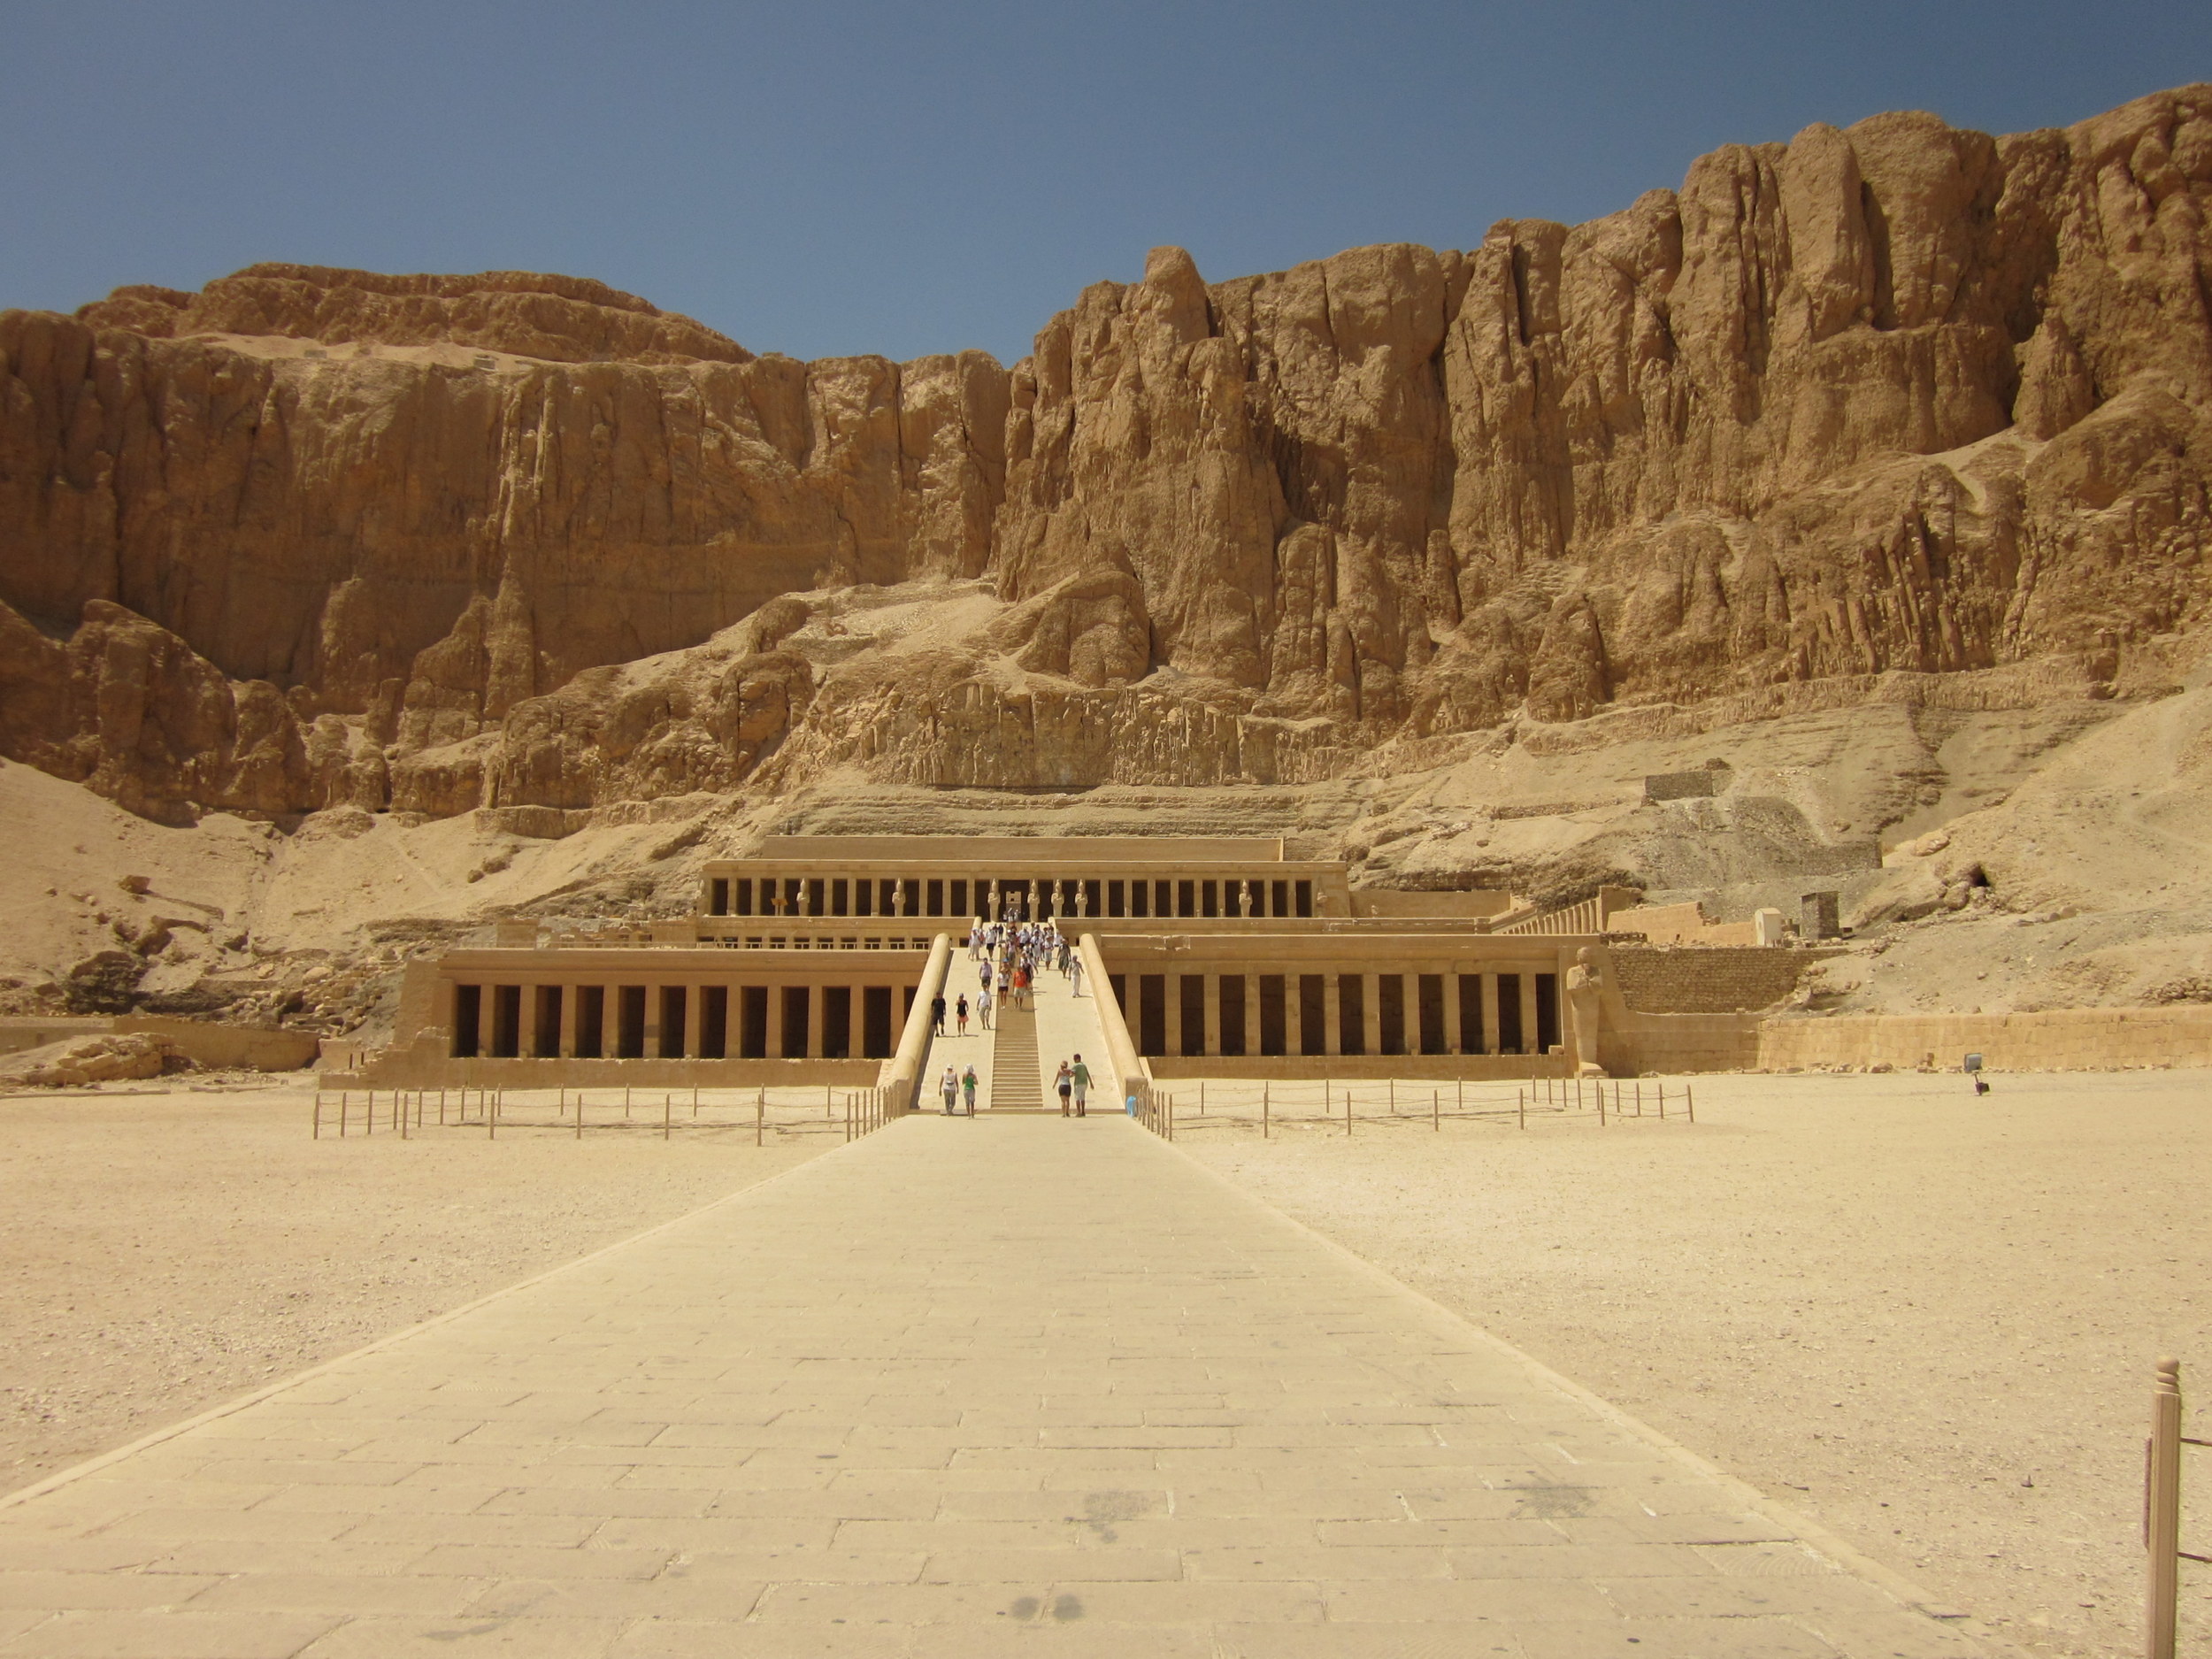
(1015,1083)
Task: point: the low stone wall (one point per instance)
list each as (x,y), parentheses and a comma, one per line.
(240,1048)
(36,1031)
(222,1047)
(1642,1045)
(2063,1040)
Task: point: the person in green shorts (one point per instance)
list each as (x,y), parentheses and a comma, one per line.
(1082,1080)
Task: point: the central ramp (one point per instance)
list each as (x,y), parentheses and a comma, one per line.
(1014,1386)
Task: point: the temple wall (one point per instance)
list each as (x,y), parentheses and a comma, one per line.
(2063,1040)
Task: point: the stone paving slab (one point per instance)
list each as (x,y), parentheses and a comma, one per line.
(1010,1387)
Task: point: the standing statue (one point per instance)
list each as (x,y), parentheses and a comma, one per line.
(898,897)
(1585,996)
(1031,913)
(1244,898)
(1082,898)
(1059,898)
(995,914)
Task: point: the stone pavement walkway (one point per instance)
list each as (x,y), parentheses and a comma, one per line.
(1015,1385)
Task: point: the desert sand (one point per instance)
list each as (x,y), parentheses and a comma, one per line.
(1925,1320)
(170,1249)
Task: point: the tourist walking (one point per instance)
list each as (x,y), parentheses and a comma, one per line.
(948,1085)
(1075,976)
(984,974)
(983,1008)
(937,1012)
(1080,1076)
(960,1013)
(967,1089)
(1065,1082)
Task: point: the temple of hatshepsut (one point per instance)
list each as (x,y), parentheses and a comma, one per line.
(809,960)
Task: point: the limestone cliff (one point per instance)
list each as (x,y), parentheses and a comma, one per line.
(1895,399)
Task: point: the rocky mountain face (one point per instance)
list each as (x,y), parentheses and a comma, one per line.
(1895,399)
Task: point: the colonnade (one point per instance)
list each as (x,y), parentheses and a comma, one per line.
(1338,1013)
(1030,897)
(675,1018)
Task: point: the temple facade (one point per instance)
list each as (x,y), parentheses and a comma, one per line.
(814,959)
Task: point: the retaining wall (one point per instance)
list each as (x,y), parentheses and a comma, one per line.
(227,1048)
(2062,1040)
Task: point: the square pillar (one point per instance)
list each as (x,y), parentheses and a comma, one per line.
(1454,1035)
(1252,1014)
(1213,1025)
(1371,1012)
(817,1002)
(1528,1012)
(570,996)
(1333,1013)
(1490,1013)
(695,1017)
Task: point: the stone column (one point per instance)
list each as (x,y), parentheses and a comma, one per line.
(1174,1009)
(1252,1013)
(1213,1011)
(1371,1012)
(694,1019)
(1454,1036)
(1528,1012)
(1333,1013)
(817,1004)
(1490,1014)
(569,999)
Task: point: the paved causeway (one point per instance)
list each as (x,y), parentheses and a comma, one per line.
(968,1387)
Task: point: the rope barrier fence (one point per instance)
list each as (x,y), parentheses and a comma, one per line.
(785,1111)
(1270,1107)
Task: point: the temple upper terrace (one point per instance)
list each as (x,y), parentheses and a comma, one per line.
(1102,878)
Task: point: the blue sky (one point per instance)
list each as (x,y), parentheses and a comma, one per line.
(843,177)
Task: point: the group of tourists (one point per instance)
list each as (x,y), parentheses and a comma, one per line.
(1013,952)
(1071,1083)
(1010,954)
(957,1088)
